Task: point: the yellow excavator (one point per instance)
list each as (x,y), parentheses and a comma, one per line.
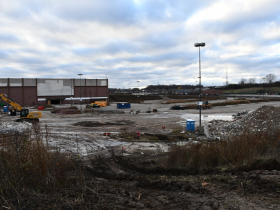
(25,115)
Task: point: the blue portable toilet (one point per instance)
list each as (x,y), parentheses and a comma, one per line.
(190,125)
(123,105)
(5,109)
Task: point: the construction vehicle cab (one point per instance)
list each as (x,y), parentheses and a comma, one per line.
(100,103)
(206,105)
(92,105)
(25,115)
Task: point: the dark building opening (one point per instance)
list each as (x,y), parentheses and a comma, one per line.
(55,101)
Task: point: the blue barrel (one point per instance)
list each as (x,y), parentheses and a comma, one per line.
(5,109)
(190,125)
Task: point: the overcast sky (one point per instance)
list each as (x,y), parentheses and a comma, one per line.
(150,41)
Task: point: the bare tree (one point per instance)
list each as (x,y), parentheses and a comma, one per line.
(252,81)
(270,78)
(243,81)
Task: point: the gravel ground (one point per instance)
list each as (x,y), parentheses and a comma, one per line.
(133,181)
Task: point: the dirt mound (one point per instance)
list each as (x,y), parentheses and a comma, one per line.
(68,110)
(264,118)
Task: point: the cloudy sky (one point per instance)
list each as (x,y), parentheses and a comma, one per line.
(150,41)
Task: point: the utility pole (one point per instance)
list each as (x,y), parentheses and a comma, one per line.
(200,103)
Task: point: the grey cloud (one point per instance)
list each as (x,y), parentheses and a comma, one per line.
(30,60)
(23,9)
(117,46)
(111,47)
(168,46)
(166,39)
(180,59)
(84,51)
(250,21)
(8,38)
(125,12)
(3,54)
(10,72)
(121,11)
(99,11)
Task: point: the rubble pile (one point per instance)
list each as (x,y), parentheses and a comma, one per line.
(241,113)
(264,118)
(69,110)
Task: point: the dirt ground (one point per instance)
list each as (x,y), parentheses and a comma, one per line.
(127,172)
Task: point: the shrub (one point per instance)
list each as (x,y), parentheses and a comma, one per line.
(27,163)
(235,151)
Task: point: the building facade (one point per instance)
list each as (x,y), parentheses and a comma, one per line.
(41,91)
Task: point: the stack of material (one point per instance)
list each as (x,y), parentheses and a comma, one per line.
(68,110)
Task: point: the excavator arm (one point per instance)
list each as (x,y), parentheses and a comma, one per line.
(24,113)
(5,98)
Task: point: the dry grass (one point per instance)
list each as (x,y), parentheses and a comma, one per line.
(180,101)
(27,162)
(190,106)
(187,99)
(225,103)
(235,151)
(254,90)
(28,168)
(235,102)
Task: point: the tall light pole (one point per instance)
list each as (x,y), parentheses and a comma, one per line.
(202,44)
(80,91)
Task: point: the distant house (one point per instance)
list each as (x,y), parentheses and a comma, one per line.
(151,92)
(123,91)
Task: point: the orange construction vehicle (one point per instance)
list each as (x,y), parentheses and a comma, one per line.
(100,103)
